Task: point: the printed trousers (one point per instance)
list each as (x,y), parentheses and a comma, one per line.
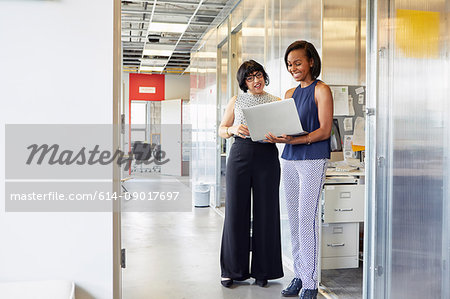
(303,181)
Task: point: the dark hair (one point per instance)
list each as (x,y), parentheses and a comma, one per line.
(246,69)
(310,51)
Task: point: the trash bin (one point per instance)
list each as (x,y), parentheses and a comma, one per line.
(201,195)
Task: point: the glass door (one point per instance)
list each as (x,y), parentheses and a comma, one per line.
(229,58)
(408,213)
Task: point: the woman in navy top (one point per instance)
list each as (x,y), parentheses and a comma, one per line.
(304,162)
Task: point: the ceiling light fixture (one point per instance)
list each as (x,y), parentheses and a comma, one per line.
(152,68)
(167,27)
(153,62)
(158,50)
(152,52)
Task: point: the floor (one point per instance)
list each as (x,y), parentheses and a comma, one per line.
(176,255)
(343,283)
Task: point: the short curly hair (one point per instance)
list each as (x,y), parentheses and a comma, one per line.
(246,69)
(310,51)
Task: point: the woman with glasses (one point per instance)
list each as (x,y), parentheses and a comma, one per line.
(304,162)
(251,167)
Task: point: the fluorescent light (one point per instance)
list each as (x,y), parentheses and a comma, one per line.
(151,52)
(159,50)
(167,27)
(154,62)
(152,68)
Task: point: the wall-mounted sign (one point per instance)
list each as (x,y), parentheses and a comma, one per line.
(144,89)
(147,87)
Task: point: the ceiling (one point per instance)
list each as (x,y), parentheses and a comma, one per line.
(158,35)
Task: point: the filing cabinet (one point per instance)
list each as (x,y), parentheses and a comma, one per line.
(340,245)
(342,211)
(343,203)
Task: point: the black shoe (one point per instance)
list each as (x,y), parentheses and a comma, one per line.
(261,282)
(227,282)
(308,294)
(293,288)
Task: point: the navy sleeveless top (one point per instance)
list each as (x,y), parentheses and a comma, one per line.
(309,117)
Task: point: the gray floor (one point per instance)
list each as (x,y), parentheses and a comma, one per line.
(176,255)
(343,283)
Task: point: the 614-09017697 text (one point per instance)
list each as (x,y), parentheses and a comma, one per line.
(151,196)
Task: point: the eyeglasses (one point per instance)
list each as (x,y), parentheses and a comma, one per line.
(250,78)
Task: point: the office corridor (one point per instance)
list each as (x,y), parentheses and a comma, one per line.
(176,256)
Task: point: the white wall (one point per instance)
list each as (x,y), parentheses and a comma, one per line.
(177,87)
(56,67)
(171,135)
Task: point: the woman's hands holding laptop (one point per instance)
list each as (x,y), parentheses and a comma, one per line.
(239,130)
(282,139)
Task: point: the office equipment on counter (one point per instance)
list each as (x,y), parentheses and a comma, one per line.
(350,166)
(278,118)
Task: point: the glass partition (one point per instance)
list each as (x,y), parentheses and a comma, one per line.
(343,38)
(203,114)
(222,100)
(409,63)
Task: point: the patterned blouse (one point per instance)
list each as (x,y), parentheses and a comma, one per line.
(249,100)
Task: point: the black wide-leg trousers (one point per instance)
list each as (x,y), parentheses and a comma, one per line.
(252,166)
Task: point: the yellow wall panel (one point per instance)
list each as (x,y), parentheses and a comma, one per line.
(417,33)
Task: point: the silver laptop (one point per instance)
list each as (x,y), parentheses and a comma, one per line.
(278,118)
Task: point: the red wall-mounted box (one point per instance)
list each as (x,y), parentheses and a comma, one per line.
(146,87)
